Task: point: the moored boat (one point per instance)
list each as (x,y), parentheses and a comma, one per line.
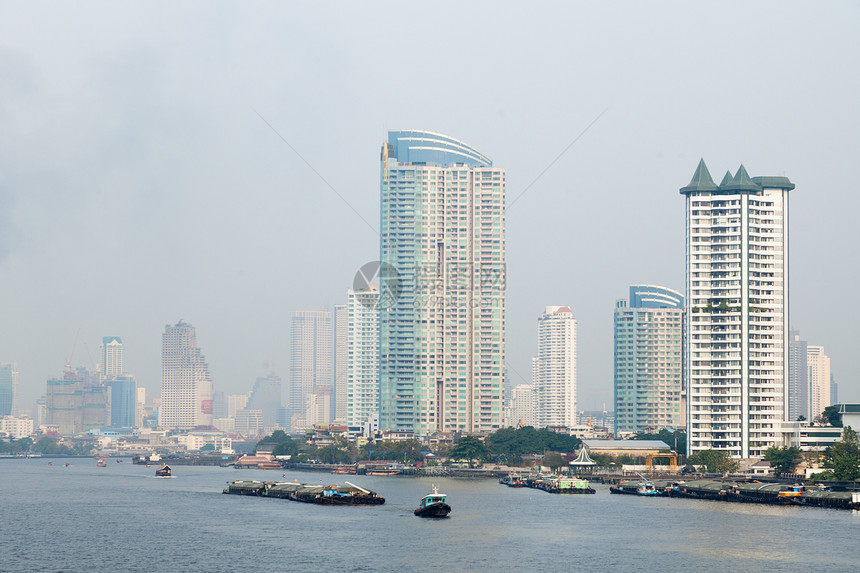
(163,472)
(433,505)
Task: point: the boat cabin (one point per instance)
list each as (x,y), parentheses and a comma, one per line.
(432,498)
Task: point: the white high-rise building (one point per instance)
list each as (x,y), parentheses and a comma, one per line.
(818,364)
(340,362)
(521,406)
(310,358)
(554,369)
(737,323)
(111,357)
(442,315)
(362,367)
(186,387)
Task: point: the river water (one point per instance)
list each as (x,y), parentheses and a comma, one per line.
(122,518)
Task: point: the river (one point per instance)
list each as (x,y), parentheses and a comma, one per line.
(122,518)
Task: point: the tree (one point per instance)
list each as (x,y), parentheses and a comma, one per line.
(553,460)
(510,444)
(782,460)
(625,460)
(468,448)
(715,461)
(286,446)
(843,457)
(832,415)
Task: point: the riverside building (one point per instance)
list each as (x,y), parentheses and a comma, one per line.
(554,369)
(649,373)
(737,324)
(442,309)
(362,356)
(186,387)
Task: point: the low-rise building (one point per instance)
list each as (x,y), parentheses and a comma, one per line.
(635,448)
(16,427)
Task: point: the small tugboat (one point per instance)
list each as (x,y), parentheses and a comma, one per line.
(433,505)
(163,471)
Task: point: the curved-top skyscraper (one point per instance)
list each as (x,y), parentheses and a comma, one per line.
(442,329)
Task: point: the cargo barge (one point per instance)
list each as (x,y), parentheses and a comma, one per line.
(349,494)
(558,484)
(768,493)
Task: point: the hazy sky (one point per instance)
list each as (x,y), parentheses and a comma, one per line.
(138,186)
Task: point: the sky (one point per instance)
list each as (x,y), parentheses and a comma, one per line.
(140,184)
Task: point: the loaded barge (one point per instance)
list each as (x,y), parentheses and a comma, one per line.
(756,492)
(349,494)
(549,483)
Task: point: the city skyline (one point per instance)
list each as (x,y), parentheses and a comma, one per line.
(179,162)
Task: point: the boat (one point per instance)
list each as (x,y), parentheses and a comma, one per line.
(647,488)
(163,471)
(433,505)
(512,480)
(102,463)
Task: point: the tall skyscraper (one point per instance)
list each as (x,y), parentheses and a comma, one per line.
(819,380)
(111,357)
(8,389)
(554,368)
(737,327)
(362,364)
(442,330)
(649,373)
(834,389)
(310,359)
(340,362)
(267,397)
(798,378)
(186,386)
(123,401)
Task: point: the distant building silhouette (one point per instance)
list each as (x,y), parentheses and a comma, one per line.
(186,386)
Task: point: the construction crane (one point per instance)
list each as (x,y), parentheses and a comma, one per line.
(72,355)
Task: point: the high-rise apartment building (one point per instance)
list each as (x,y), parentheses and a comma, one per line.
(737,324)
(362,351)
(521,406)
(798,378)
(111,357)
(819,380)
(442,325)
(339,316)
(649,350)
(554,369)
(8,389)
(310,359)
(186,386)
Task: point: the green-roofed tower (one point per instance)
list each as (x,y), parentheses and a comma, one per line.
(701,180)
(737,312)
